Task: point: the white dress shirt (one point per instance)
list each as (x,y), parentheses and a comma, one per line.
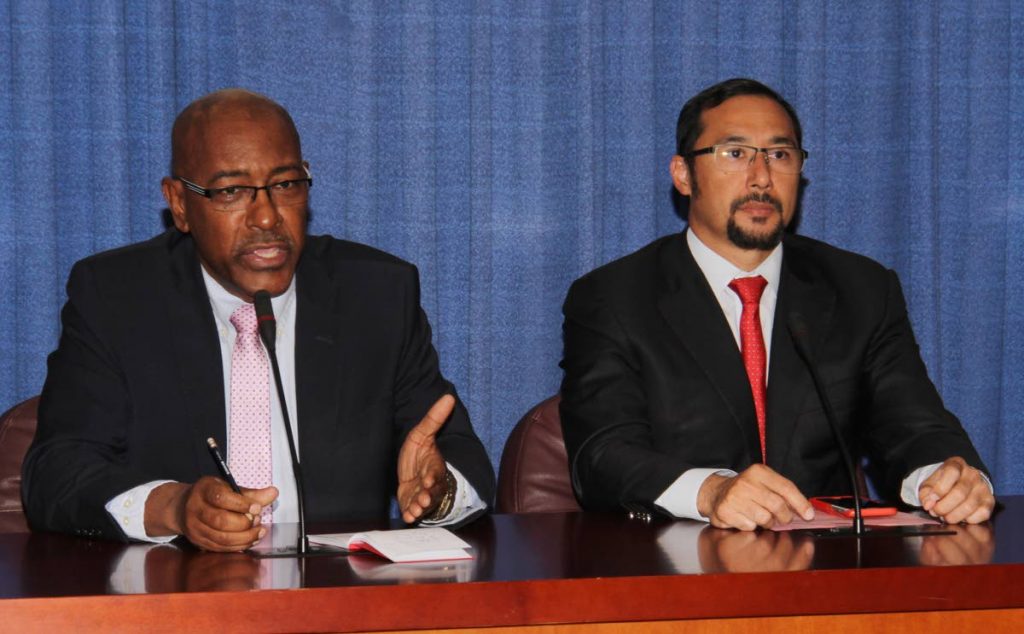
(128,509)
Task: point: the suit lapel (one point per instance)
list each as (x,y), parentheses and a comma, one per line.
(320,320)
(196,349)
(801,290)
(695,316)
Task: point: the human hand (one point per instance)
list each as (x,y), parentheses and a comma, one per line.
(957,492)
(421,467)
(758,496)
(208,513)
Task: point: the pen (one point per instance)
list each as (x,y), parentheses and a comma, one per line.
(221,465)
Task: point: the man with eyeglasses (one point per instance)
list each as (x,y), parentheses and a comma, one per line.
(683,390)
(158,352)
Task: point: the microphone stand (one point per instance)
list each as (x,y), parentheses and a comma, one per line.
(268,334)
(799,332)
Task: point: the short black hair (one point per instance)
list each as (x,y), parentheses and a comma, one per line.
(689,125)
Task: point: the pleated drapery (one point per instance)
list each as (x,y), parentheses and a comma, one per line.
(508,147)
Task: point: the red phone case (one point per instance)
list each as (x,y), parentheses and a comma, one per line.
(843,507)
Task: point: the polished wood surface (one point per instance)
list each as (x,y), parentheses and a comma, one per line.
(540,569)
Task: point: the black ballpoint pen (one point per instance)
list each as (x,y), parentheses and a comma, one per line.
(221,465)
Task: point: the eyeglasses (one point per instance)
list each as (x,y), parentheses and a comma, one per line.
(738,158)
(238,197)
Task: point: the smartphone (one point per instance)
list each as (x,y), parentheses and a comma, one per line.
(842,505)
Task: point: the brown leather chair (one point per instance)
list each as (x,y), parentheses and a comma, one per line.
(17,427)
(534,472)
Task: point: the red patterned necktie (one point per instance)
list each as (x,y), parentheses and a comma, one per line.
(752,344)
(249,454)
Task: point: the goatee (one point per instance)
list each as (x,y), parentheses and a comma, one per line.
(747,240)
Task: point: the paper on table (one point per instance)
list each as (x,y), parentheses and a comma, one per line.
(402,545)
(824,520)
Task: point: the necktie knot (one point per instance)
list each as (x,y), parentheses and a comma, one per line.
(244,319)
(749,288)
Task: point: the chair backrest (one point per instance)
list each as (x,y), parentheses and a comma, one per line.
(534,472)
(17,427)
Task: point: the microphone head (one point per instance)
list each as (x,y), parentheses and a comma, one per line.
(264,309)
(265,318)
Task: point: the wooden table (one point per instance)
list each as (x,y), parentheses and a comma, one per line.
(561,572)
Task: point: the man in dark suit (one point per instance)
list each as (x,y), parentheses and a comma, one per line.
(143,372)
(683,390)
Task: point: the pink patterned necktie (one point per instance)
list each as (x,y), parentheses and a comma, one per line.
(249,454)
(752,345)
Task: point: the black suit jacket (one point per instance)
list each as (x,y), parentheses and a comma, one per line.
(136,383)
(655,384)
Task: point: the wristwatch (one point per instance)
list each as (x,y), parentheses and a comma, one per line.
(444,507)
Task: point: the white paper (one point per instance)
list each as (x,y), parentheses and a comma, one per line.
(402,545)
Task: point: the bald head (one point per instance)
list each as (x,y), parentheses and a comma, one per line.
(192,127)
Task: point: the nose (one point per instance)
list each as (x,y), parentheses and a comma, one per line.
(759,173)
(262,212)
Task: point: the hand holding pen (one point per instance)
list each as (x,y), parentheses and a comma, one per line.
(214,519)
(209,512)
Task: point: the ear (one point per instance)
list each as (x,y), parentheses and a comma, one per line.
(174,194)
(680,175)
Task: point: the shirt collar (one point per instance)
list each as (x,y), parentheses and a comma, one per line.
(719,272)
(224,303)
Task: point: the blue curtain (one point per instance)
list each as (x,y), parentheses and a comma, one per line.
(508,147)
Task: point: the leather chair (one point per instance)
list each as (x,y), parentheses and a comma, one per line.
(534,472)
(17,427)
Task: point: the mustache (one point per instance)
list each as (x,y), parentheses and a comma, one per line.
(264,239)
(755,198)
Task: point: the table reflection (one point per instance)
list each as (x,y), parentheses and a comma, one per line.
(762,551)
(972,544)
(147,568)
(543,546)
(373,568)
(697,548)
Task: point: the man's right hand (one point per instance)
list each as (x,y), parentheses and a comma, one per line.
(208,513)
(758,496)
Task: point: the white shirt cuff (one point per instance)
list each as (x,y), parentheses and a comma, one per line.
(129,511)
(912,483)
(466,502)
(680,498)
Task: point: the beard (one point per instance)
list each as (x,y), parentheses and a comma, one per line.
(745,239)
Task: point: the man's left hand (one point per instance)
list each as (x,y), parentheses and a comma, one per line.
(421,467)
(957,492)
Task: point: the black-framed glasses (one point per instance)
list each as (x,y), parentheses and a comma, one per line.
(734,157)
(293,191)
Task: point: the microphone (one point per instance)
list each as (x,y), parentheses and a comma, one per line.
(801,340)
(798,331)
(268,334)
(265,322)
